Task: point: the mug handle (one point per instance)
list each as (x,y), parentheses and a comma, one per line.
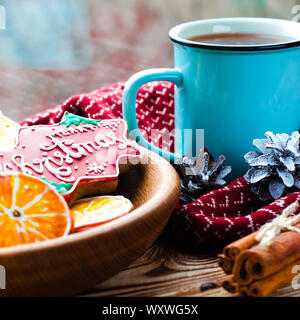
(129,102)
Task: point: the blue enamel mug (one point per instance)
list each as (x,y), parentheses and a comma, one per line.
(231,93)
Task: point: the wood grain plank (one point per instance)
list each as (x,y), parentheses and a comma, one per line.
(168,271)
(164,270)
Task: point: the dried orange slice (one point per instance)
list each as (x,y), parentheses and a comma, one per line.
(91,212)
(8,133)
(31,211)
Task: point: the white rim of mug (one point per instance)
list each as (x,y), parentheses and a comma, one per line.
(174,35)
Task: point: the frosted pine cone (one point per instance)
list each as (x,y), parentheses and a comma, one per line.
(201,175)
(275,170)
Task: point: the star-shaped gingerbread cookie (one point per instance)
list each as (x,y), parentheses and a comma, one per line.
(78,156)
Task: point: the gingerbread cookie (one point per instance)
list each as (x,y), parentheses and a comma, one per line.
(78,156)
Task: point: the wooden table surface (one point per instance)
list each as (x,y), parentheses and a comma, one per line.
(168,270)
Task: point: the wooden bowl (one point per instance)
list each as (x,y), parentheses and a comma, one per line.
(75,263)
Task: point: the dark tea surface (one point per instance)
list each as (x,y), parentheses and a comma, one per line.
(242,39)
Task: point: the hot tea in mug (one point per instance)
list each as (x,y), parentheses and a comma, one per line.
(235,78)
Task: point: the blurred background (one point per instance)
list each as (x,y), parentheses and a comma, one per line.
(52,49)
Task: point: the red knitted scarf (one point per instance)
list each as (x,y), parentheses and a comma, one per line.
(220,216)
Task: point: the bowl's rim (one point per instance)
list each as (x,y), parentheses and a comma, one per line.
(123,221)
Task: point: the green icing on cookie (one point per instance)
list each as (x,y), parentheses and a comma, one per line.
(60,187)
(68,119)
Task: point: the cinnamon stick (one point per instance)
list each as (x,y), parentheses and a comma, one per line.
(244,291)
(260,261)
(266,286)
(225,263)
(239,271)
(232,250)
(230,285)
